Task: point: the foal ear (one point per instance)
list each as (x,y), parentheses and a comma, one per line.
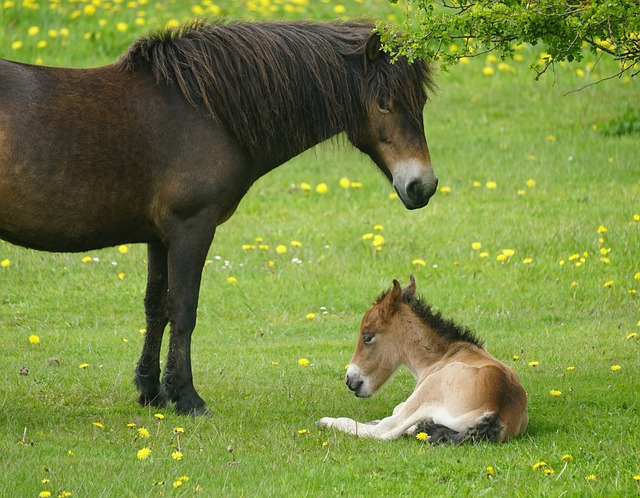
(372,50)
(410,290)
(392,301)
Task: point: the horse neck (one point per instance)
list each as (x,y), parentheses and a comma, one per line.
(422,347)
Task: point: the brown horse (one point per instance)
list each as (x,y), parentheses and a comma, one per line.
(160,147)
(462,393)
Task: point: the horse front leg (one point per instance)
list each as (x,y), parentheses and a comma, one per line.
(147,377)
(187,253)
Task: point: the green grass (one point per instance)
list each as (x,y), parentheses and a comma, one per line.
(504,128)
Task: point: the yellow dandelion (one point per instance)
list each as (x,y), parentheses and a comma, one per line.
(86,259)
(281,249)
(445,190)
(143,433)
(555,393)
(121,275)
(232,280)
(608,284)
(567,458)
(378,228)
(548,471)
(303,362)
(602,229)
(393,196)
(501,257)
(295,243)
(83,366)
(527,261)
(33,31)
(476,246)
(357,185)
(322,188)
(123,249)
(339,9)
(508,252)
(345,182)
(122,27)
(178,430)
(571,368)
(5,263)
(488,71)
(44,494)
(491,472)
(143,453)
(310,316)
(551,138)
(515,357)
(378,240)
(476,184)
(177,455)
(491,185)
(592,477)
(484,254)
(422,436)
(632,335)
(615,368)
(533,363)
(97,424)
(419,262)
(302,432)
(539,465)
(34,339)
(367,236)
(16,45)
(530,183)
(159,416)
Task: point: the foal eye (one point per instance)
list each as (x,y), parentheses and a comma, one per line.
(367,339)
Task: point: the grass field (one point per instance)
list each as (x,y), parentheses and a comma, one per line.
(533,241)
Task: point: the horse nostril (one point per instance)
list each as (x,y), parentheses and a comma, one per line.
(354,385)
(417,189)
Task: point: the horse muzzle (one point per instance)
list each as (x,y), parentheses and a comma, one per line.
(415,184)
(356,383)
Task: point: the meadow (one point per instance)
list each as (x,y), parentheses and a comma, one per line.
(533,241)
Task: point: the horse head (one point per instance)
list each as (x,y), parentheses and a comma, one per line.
(391,130)
(379,348)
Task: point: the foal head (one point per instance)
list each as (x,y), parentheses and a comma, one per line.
(392,130)
(381,342)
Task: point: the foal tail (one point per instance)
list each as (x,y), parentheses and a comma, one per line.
(487,427)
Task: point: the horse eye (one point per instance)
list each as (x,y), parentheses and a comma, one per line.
(384,106)
(367,339)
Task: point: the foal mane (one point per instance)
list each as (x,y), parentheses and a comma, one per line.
(302,80)
(446,329)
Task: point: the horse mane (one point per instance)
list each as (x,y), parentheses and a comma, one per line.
(303,80)
(444,328)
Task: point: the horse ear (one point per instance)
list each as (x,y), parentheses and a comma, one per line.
(392,301)
(410,290)
(373,50)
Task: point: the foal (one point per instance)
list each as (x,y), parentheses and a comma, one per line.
(462,393)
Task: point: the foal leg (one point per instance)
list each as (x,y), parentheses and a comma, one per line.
(155,303)
(187,254)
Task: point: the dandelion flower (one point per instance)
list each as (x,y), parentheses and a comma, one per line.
(357,185)
(539,465)
(83,366)
(488,71)
(143,453)
(632,335)
(322,188)
(615,368)
(555,393)
(122,27)
(159,416)
(508,252)
(419,262)
(232,280)
(303,362)
(533,363)
(527,261)
(310,316)
(345,182)
(484,254)
(476,246)
(34,339)
(367,236)
(491,472)
(305,187)
(178,430)
(592,477)
(295,243)
(608,284)
(281,249)
(123,249)
(143,433)
(98,425)
(491,185)
(571,368)
(422,436)
(5,263)
(378,240)
(302,432)
(44,494)
(378,228)
(177,455)
(339,9)
(548,471)
(567,458)
(445,190)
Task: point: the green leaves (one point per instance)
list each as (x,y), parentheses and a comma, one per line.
(479,26)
